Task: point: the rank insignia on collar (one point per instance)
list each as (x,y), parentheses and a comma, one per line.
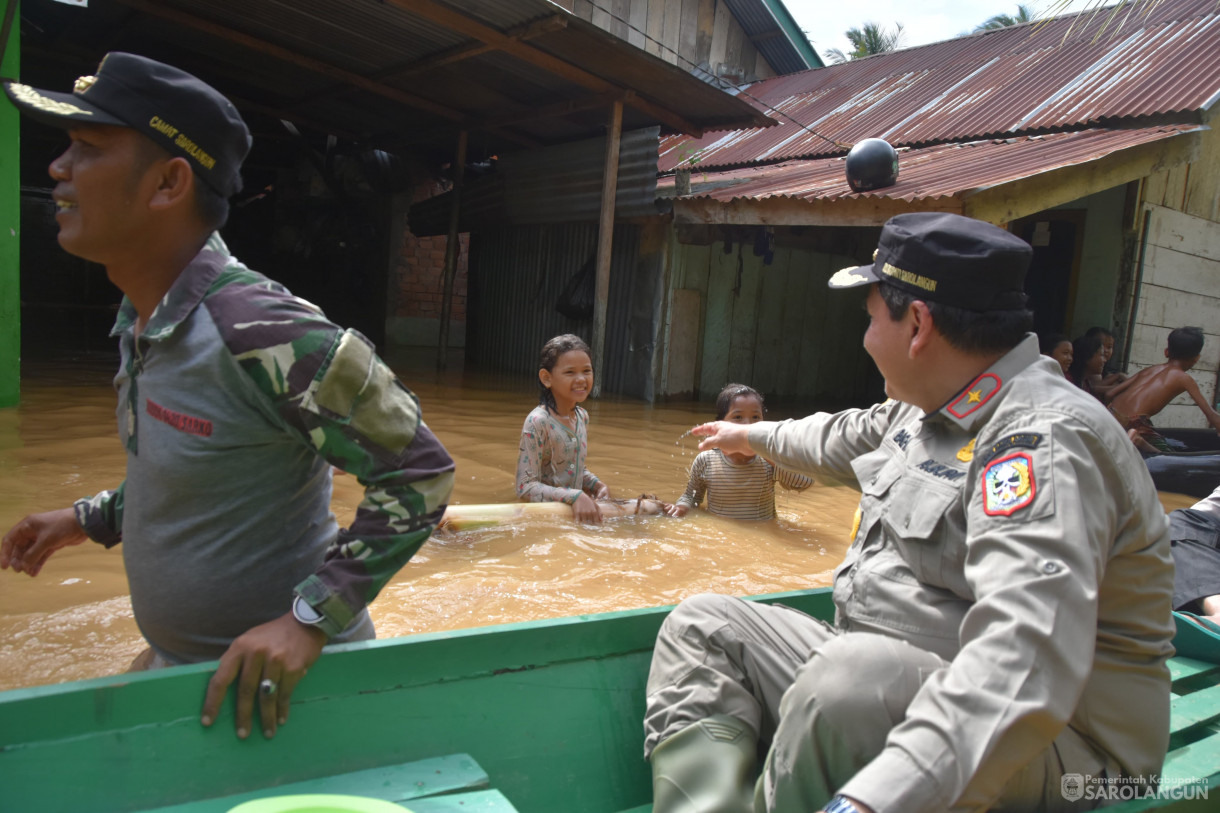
(1008,485)
(974,396)
(966,453)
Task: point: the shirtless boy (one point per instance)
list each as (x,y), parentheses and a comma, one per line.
(1147,392)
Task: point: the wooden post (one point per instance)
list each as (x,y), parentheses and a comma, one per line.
(605,239)
(451,251)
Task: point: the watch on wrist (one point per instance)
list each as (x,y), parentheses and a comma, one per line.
(841,804)
(304,612)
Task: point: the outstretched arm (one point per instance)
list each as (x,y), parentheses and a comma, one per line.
(1192,387)
(29,543)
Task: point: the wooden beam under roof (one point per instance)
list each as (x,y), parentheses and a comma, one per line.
(1019,198)
(599,101)
(451,56)
(458,22)
(318,66)
(292,57)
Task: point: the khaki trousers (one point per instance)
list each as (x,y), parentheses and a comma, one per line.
(825,701)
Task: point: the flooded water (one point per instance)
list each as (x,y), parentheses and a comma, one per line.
(74,620)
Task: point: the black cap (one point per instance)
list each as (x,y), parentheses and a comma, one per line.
(949,259)
(184,115)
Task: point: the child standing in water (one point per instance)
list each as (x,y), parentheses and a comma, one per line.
(738,486)
(554,439)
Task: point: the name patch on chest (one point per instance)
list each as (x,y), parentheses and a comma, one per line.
(902,439)
(941,470)
(1017,440)
(183,423)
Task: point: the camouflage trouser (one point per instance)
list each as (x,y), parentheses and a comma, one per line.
(823,701)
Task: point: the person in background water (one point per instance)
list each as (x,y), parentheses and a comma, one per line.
(1058,347)
(993,634)
(234,400)
(1112,375)
(1088,358)
(738,486)
(554,439)
(1146,393)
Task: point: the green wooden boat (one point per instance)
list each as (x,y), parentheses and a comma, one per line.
(536,717)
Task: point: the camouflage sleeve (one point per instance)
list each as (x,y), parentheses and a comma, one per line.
(332,389)
(101,516)
(363,420)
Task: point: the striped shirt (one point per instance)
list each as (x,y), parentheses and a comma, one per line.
(738,490)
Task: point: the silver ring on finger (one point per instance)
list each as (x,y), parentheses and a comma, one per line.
(267,687)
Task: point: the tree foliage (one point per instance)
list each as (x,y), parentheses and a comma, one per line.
(1023,15)
(867,40)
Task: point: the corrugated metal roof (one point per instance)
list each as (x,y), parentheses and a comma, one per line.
(393,73)
(775,34)
(928,173)
(1022,79)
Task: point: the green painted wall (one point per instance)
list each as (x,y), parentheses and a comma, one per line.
(10,294)
(774,327)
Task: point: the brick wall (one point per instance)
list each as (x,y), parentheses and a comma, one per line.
(421,272)
(419,283)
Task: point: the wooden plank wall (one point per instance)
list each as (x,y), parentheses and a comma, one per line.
(1181,283)
(774,327)
(687,33)
(1181,286)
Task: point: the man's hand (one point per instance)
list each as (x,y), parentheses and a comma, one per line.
(586,510)
(280,651)
(603,492)
(29,543)
(676,510)
(731,438)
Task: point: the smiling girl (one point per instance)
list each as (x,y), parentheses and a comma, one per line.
(737,485)
(554,440)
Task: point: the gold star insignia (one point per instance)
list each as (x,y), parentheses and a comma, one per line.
(976,396)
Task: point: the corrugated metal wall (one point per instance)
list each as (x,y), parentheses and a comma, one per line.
(516,276)
(558,184)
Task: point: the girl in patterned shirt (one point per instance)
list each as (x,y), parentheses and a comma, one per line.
(554,440)
(738,486)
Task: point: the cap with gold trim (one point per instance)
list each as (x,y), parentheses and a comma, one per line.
(179,112)
(947,258)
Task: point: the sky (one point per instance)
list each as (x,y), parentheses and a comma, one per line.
(923,21)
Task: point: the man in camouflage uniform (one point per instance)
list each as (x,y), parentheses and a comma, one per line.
(235,399)
(1002,614)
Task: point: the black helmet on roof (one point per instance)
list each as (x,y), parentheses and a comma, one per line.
(872,164)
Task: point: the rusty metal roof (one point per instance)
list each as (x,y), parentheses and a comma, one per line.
(1033,78)
(928,174)
(393,73)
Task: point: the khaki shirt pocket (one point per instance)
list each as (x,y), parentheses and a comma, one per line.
(920,522)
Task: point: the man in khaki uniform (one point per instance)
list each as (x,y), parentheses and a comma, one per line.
(1003,613)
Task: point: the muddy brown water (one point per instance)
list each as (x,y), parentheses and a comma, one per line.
(74,620)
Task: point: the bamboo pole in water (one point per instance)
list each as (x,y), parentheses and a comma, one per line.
(473,517)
